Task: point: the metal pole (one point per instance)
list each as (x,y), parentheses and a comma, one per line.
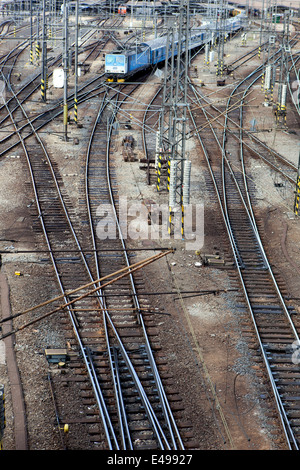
(76,64)
(37,48)
(261,28)
(65,60)
(44,57)
(297,192)
(31,51)
(176,104)
(283,73)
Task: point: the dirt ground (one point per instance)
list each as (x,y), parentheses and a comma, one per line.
(206,337)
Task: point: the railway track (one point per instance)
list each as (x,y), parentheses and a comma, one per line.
(134,350)
(121,378)
(87,90)
(115,359)
(274,322)
(252,144)
(53,109)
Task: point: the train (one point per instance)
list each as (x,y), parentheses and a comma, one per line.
(119,66)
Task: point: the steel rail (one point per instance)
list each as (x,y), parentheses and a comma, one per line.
(161,391)
(87,361)
(27,85)
(167,412)
(87,358)
(51,64)
(284,418)
(286,426)
(100,297)
(249,204)
(164,401)
(98,396)
(253,138)
(232,243)
(147,406)
(253,223)
(56,112)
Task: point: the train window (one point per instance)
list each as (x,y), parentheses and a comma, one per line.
(110,59)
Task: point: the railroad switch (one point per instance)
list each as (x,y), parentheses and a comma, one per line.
(56,356)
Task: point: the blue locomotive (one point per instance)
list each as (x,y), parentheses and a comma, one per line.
(120,66)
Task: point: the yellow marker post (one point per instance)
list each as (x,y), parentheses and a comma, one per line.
(75,110)
(170,220)
(297,197)
(43,89)
(65,120)
(37,51)
(158,172)
(297,193)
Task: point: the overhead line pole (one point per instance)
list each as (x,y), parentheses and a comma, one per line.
(37,45)
(65,65)
(44,56)
(172,152)
(31,35)
(297,192)
(283,73)
(76,63)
